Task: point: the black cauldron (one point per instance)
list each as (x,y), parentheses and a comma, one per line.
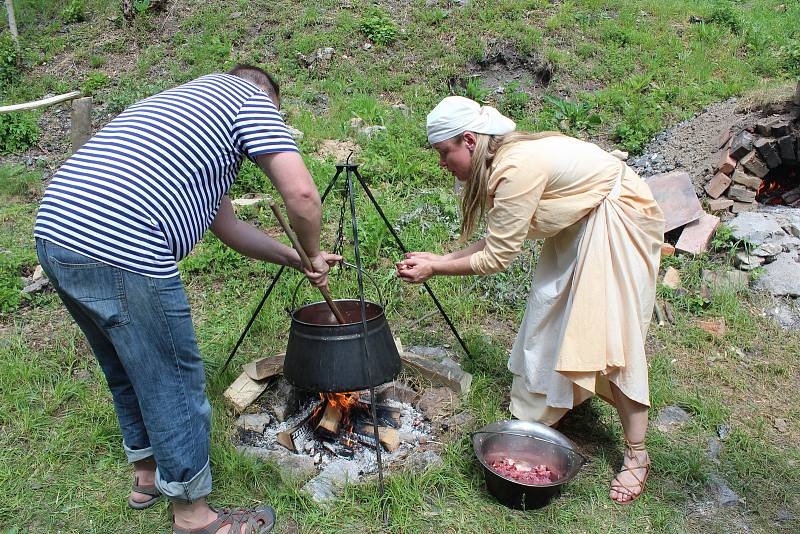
(325,356)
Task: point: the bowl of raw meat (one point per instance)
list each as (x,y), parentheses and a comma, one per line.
(525,464)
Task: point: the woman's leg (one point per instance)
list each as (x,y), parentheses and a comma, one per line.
(628,483)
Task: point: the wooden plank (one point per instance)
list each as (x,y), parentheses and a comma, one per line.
(243,392)
(80,122)
(331,418)
(265,367)
(452,377)
(41,103)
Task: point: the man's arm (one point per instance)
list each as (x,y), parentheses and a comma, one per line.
(290,177)
(249,240)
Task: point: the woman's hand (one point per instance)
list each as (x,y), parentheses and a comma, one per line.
(321,264)
(417,267)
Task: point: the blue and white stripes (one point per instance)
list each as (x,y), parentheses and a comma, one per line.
(141,193)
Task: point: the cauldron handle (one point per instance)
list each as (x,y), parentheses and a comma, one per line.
(352,266)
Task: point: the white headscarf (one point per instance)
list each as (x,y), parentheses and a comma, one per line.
(455,115)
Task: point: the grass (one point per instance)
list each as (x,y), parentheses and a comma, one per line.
(637,66)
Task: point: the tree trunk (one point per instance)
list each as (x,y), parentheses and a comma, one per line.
(12,25)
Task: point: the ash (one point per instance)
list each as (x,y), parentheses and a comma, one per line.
(413,430)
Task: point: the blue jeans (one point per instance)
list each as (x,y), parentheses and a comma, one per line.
(140,329)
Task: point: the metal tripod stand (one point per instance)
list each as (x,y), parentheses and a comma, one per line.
(350,170)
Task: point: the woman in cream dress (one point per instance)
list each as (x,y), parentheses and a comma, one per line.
(593,290)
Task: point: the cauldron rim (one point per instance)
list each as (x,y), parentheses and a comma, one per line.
(369,306)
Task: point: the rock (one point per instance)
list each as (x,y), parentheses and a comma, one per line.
(714,448)
(436,401)
(36,287)
(785,516)
(780,425)
(239,202)
(459,422)
(294,466)
(768,250)
(720,490)
(716,326)
(747,262)
(254,422)
(783,313)
(294,132)
(436,353)
(755,228)
(356,123)
(367,46)
(38,274)
(283,399)
(420,461)
(397,391)
(671,418)
(402,108)
(372,131)
(672,278)
(781,277)
(330,482)
(792,229)
(723,431)
(728,280)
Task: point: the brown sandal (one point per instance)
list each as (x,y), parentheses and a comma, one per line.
(150,490)
(256,521)
(619,487)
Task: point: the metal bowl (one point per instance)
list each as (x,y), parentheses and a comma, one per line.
(533,443)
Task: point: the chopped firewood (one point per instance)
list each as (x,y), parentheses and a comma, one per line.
(446,375)
(243,392)
(302,430)
(265,367)
(331,418)
(389,437)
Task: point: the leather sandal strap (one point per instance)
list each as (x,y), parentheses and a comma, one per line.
(150,489)
(236,519)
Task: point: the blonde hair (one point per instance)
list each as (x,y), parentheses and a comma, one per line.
(473,201)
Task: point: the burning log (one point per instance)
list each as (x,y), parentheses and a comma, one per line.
(389,437)
(331,418)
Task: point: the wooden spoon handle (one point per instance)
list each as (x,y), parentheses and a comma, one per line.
(306,261)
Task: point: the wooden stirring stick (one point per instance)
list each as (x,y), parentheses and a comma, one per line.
(305,261)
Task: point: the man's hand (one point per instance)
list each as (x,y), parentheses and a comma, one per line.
(322,264)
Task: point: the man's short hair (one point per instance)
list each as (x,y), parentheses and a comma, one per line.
(260,78)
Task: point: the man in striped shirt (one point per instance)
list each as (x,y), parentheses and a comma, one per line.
(115,220)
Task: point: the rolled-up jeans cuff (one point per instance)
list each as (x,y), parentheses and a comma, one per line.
(187,492)
(137,454)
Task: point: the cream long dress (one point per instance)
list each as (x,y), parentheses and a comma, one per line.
(594,286)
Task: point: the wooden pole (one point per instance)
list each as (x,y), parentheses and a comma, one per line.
(41,103)
(12,25)
(306,261)
(81,122)
(797,94)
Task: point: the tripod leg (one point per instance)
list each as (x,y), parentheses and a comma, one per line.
(403,248)
(253,318)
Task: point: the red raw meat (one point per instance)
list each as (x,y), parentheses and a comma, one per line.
(522,472)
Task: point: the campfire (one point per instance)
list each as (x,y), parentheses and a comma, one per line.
(341,423)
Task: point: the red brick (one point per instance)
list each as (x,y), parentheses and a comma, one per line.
(724,137)
(741,194)
(717,185)
(768,149)
(726,163)
(720,204)
(753,163)
(697,235)
(741,176)
(674,192)
(739,207)
(667,250)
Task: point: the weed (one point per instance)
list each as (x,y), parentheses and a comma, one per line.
(379,28)
(16,181)
(73,12)
(474,89)
(573,116)
(514,101)
(96,61)
(725,14)
(723,240)
(790,57)
(94,82)
(18,131)
(8,58)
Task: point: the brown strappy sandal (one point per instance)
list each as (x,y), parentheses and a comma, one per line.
(619,487)
(150,490)
(257,521)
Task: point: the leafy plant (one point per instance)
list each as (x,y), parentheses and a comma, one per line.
(94,82)
(10,282)
(475,90)
(140,6)
(514,101)
(724,14)
(15,180)
(73,12)
(573,115)
(8,58)
(790,57)
(379,27)
(18,131)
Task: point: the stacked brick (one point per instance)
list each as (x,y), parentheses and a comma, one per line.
(746,158)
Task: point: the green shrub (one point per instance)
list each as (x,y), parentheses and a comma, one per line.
(94,82)
(8,58)
(74,12)
(18,131)
(514,101)
(790,56)
(10,282)
(379,27)
(573,116)
(724,14)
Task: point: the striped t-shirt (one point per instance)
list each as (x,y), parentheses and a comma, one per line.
(141,193)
